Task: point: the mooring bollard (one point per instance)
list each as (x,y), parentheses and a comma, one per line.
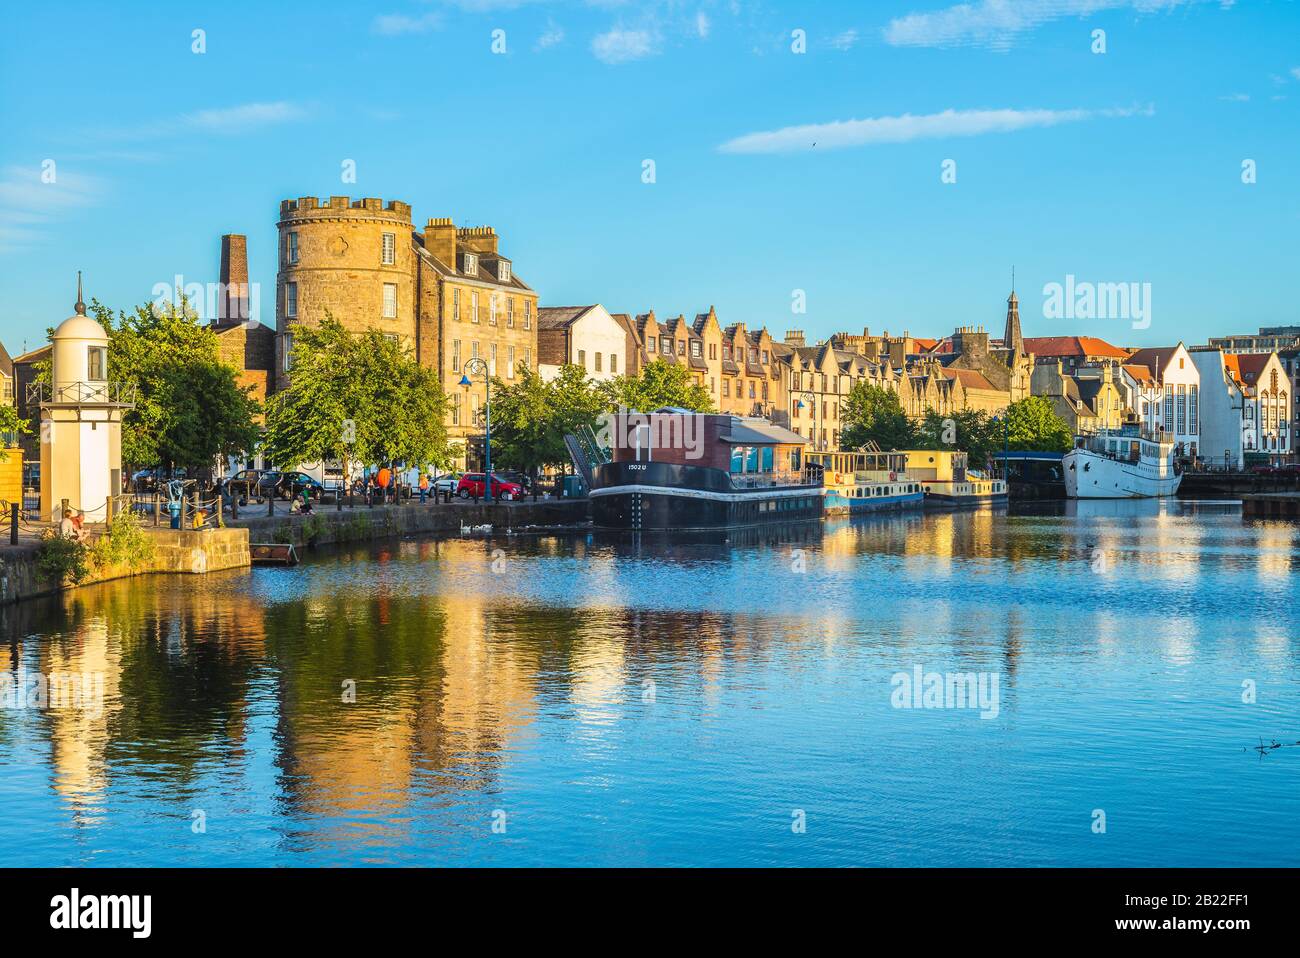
(13,523)
(234,507)
(157,510)
(270,503)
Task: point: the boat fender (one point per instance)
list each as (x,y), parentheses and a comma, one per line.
(893,477)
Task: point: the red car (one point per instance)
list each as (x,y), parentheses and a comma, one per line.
(472,484)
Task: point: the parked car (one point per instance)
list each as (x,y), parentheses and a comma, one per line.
(290,485)
(523,480)
(147,480)
(246,484)
(473,484)
(447,483)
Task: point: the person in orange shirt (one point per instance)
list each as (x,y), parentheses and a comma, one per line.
(382,480)
(424,485)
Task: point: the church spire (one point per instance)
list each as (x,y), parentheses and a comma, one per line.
(1011,337)
(80,307)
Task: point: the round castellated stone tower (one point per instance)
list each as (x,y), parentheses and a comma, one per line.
(337,256)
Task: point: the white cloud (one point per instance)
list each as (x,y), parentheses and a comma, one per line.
(1295,72)
(247,116)
(552,37)
(1236,97)
(996,23)
(902,129)
(846,40)
(396,24)
(28,204)
(702,24)
(621,46)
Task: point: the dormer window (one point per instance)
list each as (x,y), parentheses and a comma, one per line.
(503,271)
(470,265)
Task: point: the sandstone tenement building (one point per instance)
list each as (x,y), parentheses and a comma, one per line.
(447,293)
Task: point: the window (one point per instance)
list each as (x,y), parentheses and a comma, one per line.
(510,370)
(510,312)
(474,350)
(471,264)
(1192,422)
(291,249)
(390,301)
(650,344)
(765,357)
(666,345)
(291,299)
(713,350)
(455,355)
(492,360)
(726,351)
(1182,408)
(503,271)
(473,307)
(390,249)
(582,358)
(697,349)
(9,389)
(681,347)
(596,359)
(455,409)
(726,386)
(613,362)
(751,389)
(455,305)
(753,355)
(528,356)
(528,314)
(96,365)
(288,351)
(492,310)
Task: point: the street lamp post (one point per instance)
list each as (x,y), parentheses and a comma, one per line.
(812,401)
(477,365)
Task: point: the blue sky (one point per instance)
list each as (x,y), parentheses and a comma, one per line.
(1122,166)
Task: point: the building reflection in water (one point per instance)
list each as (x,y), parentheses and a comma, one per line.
(459,669)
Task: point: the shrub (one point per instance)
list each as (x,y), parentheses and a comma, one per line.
(125,543)
(61,560)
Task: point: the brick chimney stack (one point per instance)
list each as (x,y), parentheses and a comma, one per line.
(232,303)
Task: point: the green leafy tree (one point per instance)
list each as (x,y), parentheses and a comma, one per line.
(11,427)
(874,413)
(356,398)
(970,430)
(1033,425)
(530,417)
(189,406)
(659,384)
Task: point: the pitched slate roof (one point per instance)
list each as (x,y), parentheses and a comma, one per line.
(560,317)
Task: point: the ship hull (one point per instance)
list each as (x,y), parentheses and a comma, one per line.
(1089,475)
(652,496)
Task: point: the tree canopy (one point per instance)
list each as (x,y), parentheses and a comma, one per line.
(189,406)
(1034,425)
(659,384)
(356,397)
(530,417)
(874,413)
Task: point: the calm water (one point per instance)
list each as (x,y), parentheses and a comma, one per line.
(611,702)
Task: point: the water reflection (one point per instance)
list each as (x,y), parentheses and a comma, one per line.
(633,699)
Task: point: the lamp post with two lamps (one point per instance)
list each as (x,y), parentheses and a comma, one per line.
(475,366)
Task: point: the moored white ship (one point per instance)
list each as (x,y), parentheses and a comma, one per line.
(1124,465)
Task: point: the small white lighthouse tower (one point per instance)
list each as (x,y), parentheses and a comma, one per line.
(81,421)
